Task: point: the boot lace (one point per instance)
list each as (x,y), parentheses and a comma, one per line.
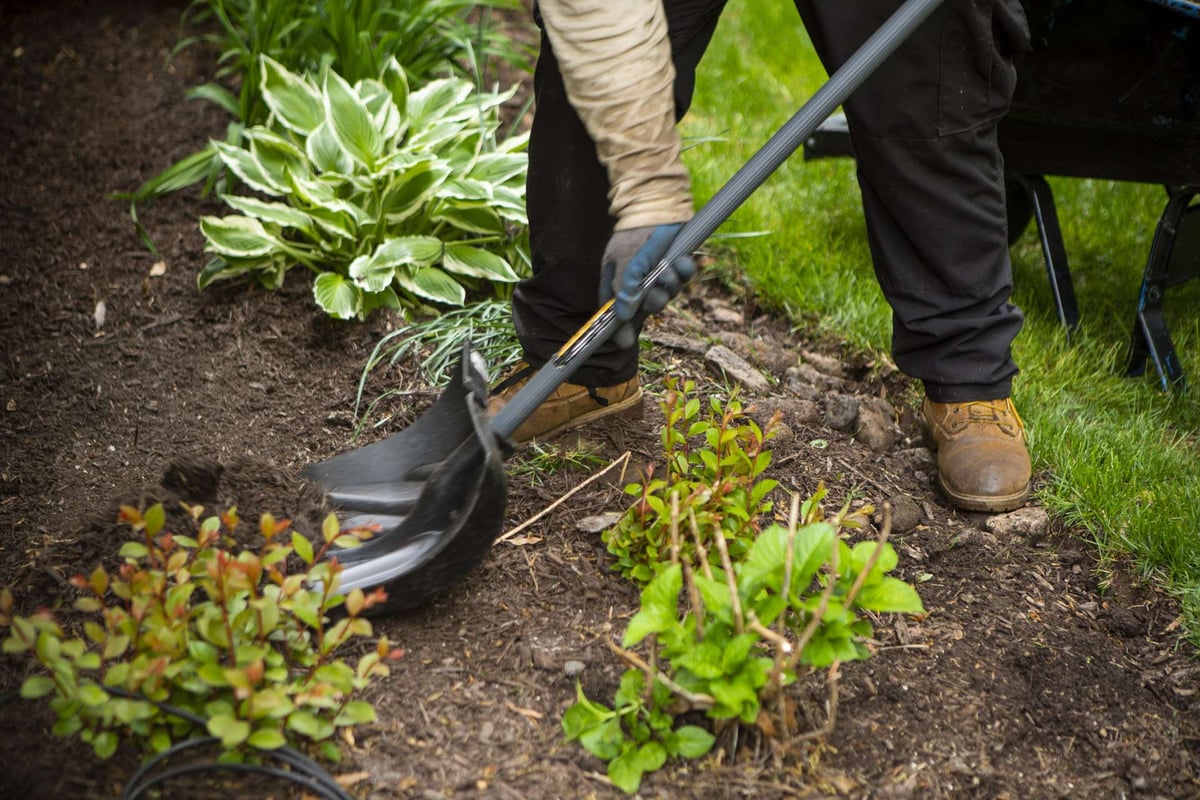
(1001,413)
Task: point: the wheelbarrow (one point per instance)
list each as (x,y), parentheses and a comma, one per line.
(436,491)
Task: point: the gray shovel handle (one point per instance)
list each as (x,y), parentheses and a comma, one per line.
(728,198)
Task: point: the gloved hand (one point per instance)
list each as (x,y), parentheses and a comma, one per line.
(628,258)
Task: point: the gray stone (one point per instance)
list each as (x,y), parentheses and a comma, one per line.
(825,364)
(736,369)
(841,412)
(693,345)
(918,459)
(599,522)
(1031,523)
(573,668)
(906,514)
(874,429)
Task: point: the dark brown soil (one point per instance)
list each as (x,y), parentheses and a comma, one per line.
(1032,676)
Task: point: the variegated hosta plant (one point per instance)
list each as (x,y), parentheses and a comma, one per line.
(390,197)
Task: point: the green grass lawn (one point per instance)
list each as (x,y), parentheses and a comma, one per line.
(1116,456)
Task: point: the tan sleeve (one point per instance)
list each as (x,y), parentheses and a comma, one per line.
(615,59)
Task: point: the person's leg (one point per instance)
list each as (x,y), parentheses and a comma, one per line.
(932,181)
(567,200)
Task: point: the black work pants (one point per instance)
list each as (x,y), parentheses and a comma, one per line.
(931,175)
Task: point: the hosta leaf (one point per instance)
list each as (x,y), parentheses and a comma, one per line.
(498,168)
(472,218)
(242,163)
(352,122)
(396,81)
(418,250)
(410,189)
(236,236)
(378,99)
(432,283)
(462,259)
(370,275)
(466,189)
(277,213)
(337,296)
(385,299)
(434,101)
(326,152)
(295,102)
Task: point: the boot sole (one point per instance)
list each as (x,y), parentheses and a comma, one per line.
(988,503)
(629,407)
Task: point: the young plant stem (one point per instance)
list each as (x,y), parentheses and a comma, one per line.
(695,699)
(701,551)
(819,614)
(739,621)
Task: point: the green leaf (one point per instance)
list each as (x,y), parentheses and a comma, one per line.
(243,164)
(497,168)
(604,741)
(890,595)
(409,190)
(37,686)
(432,284)
(339,298)
(133,550)
(352,122)
(716,597)
(471,217)
(294,102)
(277,213)
(433,101)
(692,741)
(92,695)
(326,152)
(105,744)
(476,262)
(627,769)
(216,93)
(238,237)
(266,739)
(310,725)
(395,79)
(356,712)
(660,606)
(230,730)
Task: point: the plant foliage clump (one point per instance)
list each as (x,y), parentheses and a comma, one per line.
(239,640)
(714,464)
(390,197)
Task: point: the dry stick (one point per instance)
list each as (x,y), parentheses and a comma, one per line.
(689,577)
(781,653)
(622,459)
(700,701)
(701,551)
(822,606)
(739,622)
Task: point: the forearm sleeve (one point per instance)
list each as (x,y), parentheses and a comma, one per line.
(616,65)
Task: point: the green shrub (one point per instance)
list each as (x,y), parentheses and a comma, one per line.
(243,640)
(714,464)
(390,198)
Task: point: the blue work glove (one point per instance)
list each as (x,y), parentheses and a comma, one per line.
(628,259)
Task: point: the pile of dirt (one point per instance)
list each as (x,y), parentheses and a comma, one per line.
(1035,673)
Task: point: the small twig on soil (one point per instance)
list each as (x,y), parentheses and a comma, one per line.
(620,460)
(831,718)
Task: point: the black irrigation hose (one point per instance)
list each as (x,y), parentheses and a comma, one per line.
(304,771)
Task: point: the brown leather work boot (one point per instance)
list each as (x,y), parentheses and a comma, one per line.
(570,406)
(983,463)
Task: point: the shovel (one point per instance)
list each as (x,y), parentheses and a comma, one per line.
(436,491)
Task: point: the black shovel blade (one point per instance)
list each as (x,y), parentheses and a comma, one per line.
(436,491)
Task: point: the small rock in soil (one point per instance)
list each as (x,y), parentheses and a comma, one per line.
(919,459)
(685,344)
(906,514)
(598,523)
(841,412)
(736,369)
(1029,523)
(573,668)
(827,365)
(874,429)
